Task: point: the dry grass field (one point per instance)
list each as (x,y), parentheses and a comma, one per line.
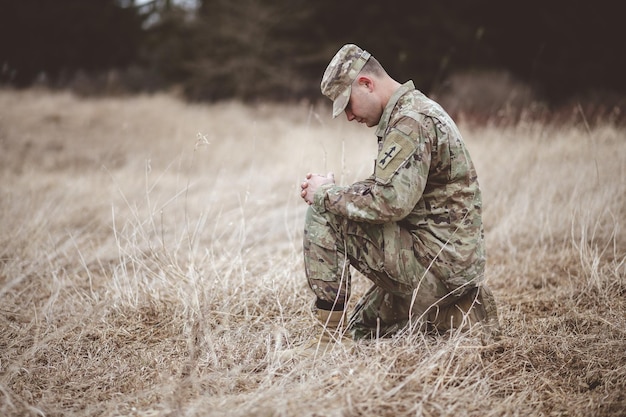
(150,265)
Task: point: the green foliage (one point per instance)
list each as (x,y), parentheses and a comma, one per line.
(250,49)
(58,38)
(278,49)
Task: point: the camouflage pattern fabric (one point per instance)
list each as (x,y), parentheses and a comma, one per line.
(414,228)
(341,72)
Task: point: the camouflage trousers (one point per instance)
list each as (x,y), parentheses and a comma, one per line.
(402,293)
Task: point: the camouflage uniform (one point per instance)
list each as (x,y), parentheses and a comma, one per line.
(414,227)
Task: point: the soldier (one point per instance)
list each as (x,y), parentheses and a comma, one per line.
(414,227)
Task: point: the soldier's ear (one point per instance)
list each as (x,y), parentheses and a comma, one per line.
(366,82)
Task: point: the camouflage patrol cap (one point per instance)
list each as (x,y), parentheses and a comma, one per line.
(340,73)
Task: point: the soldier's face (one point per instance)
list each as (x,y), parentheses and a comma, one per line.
(363,106)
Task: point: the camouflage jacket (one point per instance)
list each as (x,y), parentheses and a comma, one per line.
(424,180)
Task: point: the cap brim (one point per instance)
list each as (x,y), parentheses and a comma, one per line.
(340,103)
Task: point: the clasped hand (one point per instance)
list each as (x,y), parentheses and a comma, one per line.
(311,183)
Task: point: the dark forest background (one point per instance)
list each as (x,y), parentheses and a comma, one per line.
(554,52)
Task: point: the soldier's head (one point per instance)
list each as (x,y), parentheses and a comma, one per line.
(354,81)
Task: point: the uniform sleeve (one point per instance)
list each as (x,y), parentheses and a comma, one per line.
(399,179)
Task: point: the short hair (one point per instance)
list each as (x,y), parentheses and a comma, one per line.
(373,67)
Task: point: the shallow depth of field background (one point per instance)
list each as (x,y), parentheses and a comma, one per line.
(150,265)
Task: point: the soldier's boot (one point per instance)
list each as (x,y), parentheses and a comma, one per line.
(474,310)
(332,332)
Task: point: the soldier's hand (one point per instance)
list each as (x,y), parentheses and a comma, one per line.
(312,182)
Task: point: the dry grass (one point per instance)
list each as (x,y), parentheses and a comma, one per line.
(150,265)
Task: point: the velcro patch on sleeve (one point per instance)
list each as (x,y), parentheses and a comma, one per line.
(388,153)
(397,148)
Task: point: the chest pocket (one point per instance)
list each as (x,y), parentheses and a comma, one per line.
(397,148)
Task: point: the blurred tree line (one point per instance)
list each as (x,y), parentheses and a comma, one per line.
(278,49)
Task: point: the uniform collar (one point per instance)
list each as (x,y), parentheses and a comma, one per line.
(391,104)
